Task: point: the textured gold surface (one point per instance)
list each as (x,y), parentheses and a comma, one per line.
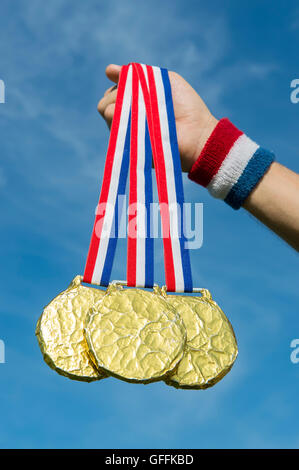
(135,334)
(60,332)
(211,347)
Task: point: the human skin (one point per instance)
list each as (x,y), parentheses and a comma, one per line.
(275,199)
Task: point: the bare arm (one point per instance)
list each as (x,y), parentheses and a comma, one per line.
(274,201)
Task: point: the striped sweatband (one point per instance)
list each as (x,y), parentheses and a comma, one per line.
(230,164)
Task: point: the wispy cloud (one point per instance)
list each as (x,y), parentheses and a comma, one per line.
(79,41)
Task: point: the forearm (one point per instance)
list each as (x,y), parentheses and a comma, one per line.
(230,165)
(237,170)
(275,202)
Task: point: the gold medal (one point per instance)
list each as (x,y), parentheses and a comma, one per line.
(211,347)
(135,335)
(60,332)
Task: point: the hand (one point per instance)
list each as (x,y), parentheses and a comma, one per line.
(194,122)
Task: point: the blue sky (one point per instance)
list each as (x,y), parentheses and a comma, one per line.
(241,58)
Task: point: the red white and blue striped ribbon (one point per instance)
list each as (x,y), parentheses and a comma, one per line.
(103,240)
(146,91)
(156,90)
(140,243)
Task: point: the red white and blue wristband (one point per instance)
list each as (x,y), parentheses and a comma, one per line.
(230,164)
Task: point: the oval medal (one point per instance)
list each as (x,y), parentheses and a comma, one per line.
(60,332)
(211,347)
(135,335)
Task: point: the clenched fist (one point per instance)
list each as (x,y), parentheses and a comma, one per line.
(194,122)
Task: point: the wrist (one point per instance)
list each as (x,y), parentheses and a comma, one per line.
(230,164)
(206,130)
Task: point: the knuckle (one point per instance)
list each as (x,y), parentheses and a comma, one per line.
(109,111)
(174,75)
(101,106)
(107,68)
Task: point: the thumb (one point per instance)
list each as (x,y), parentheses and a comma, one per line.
(112,72)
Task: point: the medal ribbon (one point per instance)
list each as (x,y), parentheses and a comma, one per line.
(156,90)
(103,241)
(143,124)
(140,255)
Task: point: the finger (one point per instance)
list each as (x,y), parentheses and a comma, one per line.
(108,113)
(112,72)
(106,101)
